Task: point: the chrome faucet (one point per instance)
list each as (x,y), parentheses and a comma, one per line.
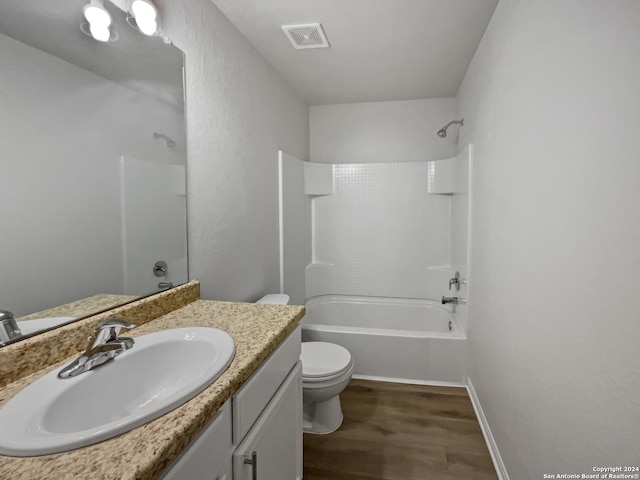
(453,300)
(455,281)
(9,329)
(105,345)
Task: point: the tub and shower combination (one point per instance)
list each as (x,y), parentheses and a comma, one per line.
(411,340)
(382,235)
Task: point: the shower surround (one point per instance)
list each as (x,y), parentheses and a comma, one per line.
(381,253)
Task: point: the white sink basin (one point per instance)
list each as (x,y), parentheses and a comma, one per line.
(31,326)
(159,373)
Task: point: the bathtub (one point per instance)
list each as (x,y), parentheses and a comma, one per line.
(405,340)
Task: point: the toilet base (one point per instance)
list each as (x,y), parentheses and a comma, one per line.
(322,417)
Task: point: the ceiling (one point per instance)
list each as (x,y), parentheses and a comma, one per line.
(142,63)
(380,49)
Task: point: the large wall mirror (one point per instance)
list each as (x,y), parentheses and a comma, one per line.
(93,158)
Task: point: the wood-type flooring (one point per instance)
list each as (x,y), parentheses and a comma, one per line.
(401,432)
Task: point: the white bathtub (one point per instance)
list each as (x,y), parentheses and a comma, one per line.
(397,339)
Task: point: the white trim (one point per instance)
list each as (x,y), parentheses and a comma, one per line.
(486,432)
(281,216)
(470,203)
(123,225)
(409,381)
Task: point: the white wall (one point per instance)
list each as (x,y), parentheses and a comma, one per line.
(63,132)
(403,131)
(239,114)
(551,105)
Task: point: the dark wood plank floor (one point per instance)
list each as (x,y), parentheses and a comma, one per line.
(401,432)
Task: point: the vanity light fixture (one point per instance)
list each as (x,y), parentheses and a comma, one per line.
(145,14)
(99,20)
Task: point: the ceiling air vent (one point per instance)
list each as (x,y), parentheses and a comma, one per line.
(309,35)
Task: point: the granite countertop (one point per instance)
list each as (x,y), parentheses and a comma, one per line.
(145,452)
(83,307)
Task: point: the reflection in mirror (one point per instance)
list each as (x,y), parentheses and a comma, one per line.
(93,166)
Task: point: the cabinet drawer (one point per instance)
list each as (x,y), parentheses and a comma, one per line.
(254,396)
(208,456)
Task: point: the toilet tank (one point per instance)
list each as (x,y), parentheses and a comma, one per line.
(275,299)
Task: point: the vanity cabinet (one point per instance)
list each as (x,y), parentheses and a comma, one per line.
(272,448)
(257,434)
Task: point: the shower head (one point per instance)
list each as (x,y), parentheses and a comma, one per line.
(170,143)
(442,133)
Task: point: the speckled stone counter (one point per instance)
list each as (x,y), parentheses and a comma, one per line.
(145,452)
(32,354)
(83,307)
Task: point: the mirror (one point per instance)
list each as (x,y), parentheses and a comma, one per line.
(93,161)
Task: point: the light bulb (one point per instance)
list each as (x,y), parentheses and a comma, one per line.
(96,14)
(100,33)
(147,26)
(143,11)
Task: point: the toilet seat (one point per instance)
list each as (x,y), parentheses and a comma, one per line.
(322,361)
(318,382)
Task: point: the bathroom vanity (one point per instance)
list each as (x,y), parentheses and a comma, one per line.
(245,425)
(256,434)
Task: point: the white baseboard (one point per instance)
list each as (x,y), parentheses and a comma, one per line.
(408,381)
(486,432)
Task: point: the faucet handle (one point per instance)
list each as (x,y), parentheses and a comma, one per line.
(9,328)
(109,329)
(113,322)
(455,281)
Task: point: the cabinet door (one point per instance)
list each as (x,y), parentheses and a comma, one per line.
(272,450)
(254,396)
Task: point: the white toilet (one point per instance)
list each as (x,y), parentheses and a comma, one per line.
(326,371)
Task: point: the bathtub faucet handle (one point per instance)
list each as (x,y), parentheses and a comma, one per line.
(455,281)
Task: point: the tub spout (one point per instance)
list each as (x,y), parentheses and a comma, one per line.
(446,300)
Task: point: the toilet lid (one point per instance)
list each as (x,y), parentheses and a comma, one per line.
(321,359)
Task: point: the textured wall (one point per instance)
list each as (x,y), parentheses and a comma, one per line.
(551,105)
(239,114)
(403,131)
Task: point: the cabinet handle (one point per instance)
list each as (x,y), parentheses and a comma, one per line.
(254,464)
